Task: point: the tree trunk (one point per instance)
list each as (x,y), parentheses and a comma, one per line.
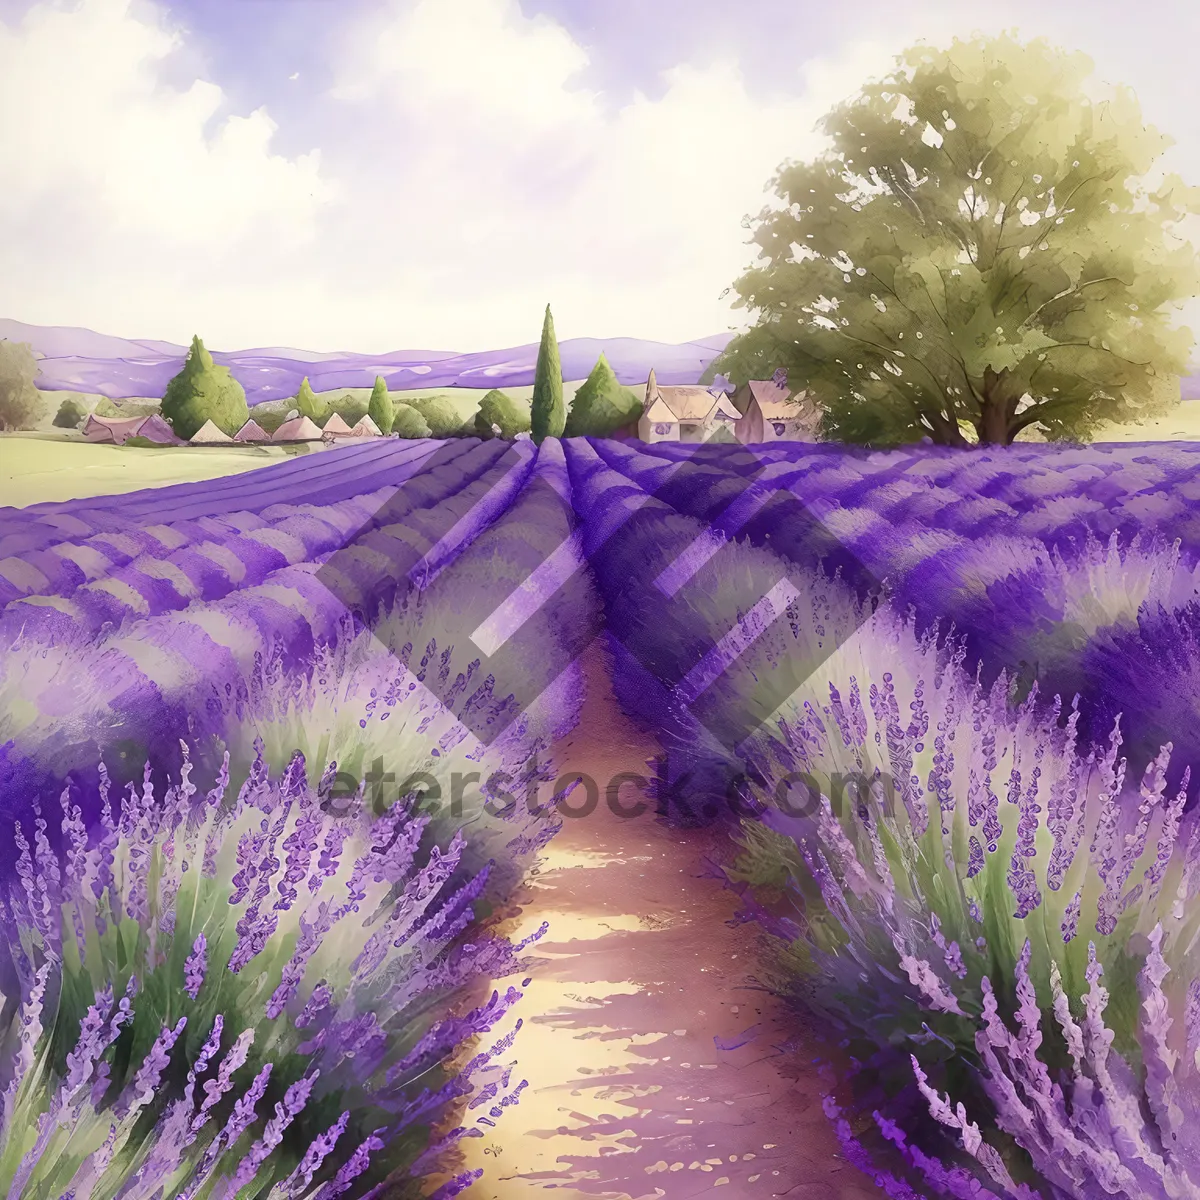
(992,425)
(994,411)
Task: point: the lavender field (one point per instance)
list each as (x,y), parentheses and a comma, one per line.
(935,710)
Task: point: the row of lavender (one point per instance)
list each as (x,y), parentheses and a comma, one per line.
(258,989)
(942,869)
(1069,566)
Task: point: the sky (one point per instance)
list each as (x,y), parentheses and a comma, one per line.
(373,175)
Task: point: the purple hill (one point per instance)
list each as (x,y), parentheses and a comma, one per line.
(79,360)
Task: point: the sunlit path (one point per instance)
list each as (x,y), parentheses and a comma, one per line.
(643,981)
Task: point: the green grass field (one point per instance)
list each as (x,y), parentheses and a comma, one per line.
(38,467)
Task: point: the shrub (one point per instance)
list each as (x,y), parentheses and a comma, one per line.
(499,408)
(926,910)
(440,413)
(70,413)
(407,422)
(308,405)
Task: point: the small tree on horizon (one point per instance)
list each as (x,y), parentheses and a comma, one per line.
(204,391)
(380,408)
(499,408)
(307,404)
(601,405)
(981,246)
(547,415)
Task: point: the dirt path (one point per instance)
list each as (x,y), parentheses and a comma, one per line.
(630,1092)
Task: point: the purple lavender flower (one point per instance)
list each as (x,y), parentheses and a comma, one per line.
(194,966)
(352,1168)
(145,1082)
(975,861)
(81,1060)
(215,1089)
(161,839)
(318,1151)
(286,1111)
(1070,921)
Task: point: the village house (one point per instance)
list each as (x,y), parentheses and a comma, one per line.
(336,427)
(120,429)
(252,431)
(770,412)
(298,429)
(763,410)
(210,435)
(685,414)
(365,427)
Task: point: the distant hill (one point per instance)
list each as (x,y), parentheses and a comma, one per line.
(79,360)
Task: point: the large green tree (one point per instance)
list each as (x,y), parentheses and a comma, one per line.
(500,409)
(981,249)
(602,404)
(380,408)
(21,404)
(547,416)
(204,391)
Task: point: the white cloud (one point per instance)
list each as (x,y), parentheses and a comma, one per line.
(476,179)
(468,179)
(85,120)
(629,222)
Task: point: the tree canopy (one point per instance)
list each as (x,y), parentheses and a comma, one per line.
(601,405)
(982,247)
(204,391)
(499,408)
(20,401)
(380,408)
(407,422)
(547,416)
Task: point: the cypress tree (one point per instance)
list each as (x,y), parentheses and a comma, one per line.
(548,416)
(380,408)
